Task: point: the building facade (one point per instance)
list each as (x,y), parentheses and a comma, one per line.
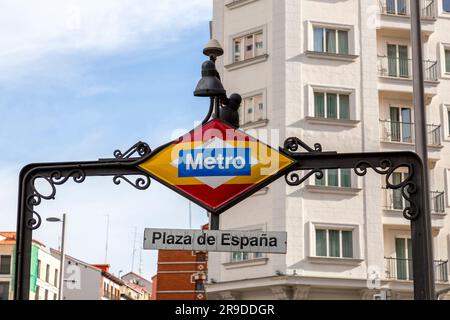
(181,275)
(338,73)
(140,283)
(44,273)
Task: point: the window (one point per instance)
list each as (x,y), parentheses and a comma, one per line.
(5,264)
(244,256)
(334,243)
(4,290)
(247,47)
(47,274)
(46,294)
(403,251)
(39,269)
(396,7)
(54,296)
(36,295)
(332,105)
(448,121)
(55,278)
(398,61)
(398,201)
(335,178)
(401,126)
(239,256)
(331,40)
(446,5)
(199,285)
(252,109)
(447,60)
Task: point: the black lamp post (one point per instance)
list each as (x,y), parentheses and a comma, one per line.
(210,85)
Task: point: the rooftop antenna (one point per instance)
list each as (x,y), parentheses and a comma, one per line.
(134,249)
(190,215)
(140,255)
(107,238)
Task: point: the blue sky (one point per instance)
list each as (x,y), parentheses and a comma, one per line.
(74,87)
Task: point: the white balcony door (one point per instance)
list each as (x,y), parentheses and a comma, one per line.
(401,124)
(396,7)
(403,252)
(398,61)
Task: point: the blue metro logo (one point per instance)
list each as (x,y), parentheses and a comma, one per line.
(214,162)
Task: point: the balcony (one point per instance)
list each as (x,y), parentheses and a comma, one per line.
(401,269)
(395,201)
(401,8)
(401,68)
(395,17)
(404,132)
(395,76)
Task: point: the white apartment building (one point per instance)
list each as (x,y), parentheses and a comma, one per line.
(337,73)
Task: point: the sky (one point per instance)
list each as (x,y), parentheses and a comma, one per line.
(80,79)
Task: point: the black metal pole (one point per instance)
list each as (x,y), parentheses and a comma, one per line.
(421,236)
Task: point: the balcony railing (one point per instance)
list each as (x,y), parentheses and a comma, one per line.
(402,8)
(401,68)
(402,269)
(394,200)
(438,201)
(394,131)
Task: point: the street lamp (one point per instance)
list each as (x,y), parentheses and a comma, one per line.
(61,265)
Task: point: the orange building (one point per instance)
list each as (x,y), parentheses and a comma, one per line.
(181,275)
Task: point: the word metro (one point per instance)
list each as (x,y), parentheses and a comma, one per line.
(214,162)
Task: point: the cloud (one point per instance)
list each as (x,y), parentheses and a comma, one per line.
(31,31)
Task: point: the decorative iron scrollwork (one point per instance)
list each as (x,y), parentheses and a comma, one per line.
(141,183)
(293,178)
(55,178)
(407,186)
(141,148)
(293,144)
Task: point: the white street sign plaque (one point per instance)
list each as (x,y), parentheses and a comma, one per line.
(218,241)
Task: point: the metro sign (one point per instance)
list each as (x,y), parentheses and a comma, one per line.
(216,165)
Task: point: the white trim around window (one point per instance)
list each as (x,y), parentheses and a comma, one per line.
(247,120)
(233,4)
(443,48)
(353,49)
(356,243)
(445,117)
(447,185)
(441,12)
(232,64)
(310,107)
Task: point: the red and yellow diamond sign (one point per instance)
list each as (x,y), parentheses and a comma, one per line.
(216,166)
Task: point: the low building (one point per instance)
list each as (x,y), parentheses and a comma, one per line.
(132,277)
(44,270)
(82,281)
(138,283)
(111,286)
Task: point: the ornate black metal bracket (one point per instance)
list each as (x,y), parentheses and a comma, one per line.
(55,178)
(292,146)
(407,186)
(312,160)
(382,167)
(61,173)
